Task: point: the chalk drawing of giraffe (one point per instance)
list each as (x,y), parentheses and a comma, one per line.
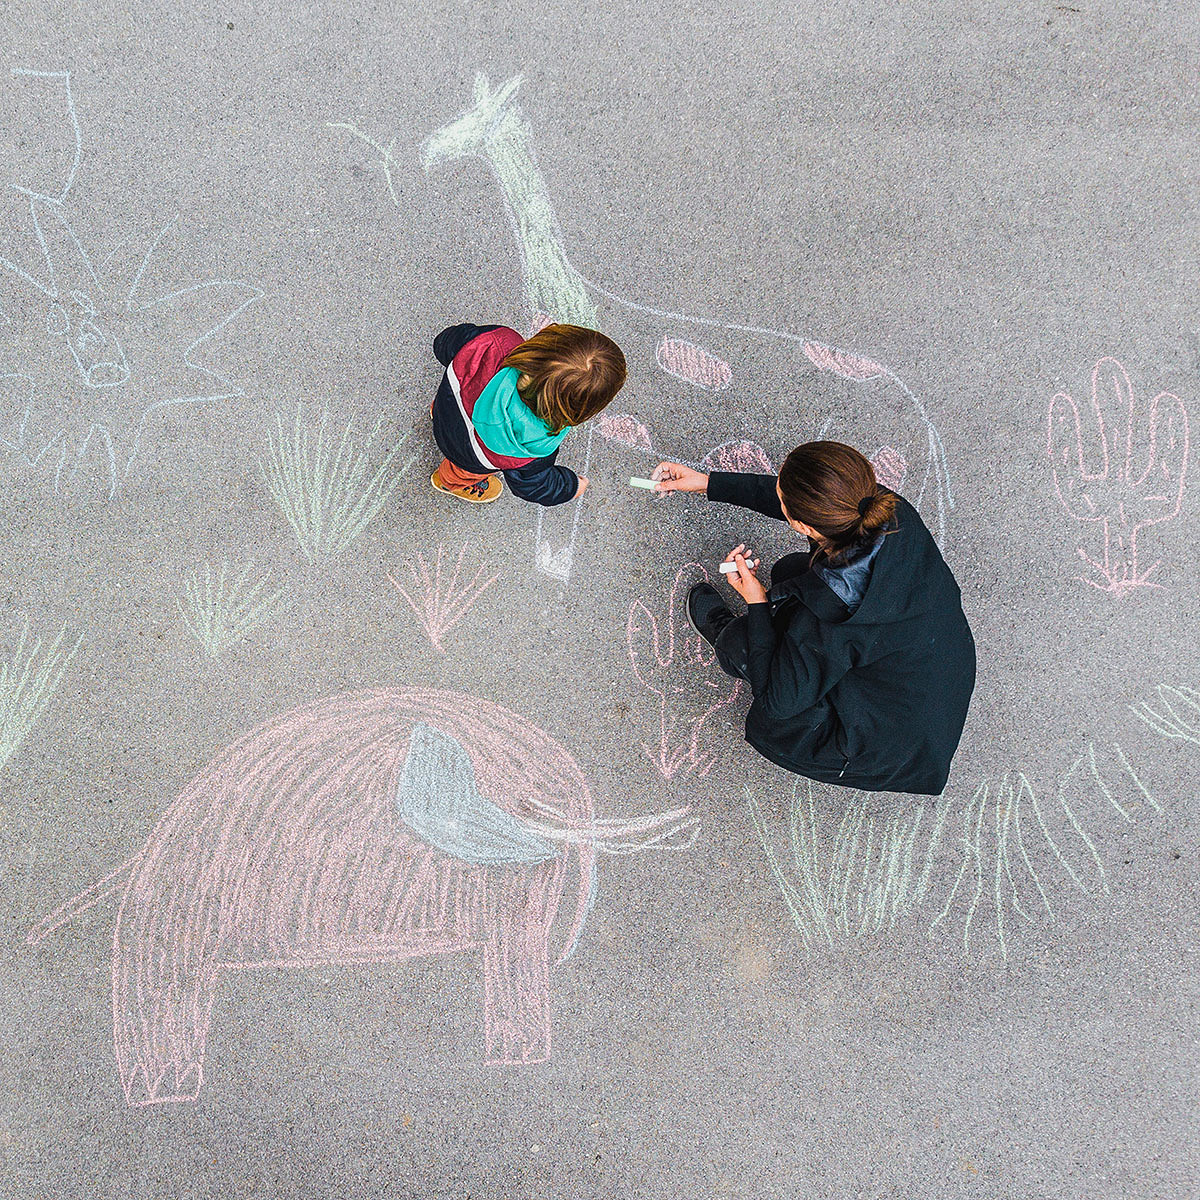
(908,448)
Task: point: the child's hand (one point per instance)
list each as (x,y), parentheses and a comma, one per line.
(675,477)
(744,581)
(583,483)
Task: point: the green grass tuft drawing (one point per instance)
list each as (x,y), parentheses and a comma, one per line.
(28,682)
(220,608)
(975,867)
(324,482)
(1179,716)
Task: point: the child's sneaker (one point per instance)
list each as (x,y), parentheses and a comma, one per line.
(483,491)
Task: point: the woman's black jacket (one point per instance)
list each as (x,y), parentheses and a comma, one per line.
(876,699)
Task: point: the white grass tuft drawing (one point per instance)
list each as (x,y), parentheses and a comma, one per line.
(28,682)
(220,608)
(438,597)
(324,483)
(1179,716)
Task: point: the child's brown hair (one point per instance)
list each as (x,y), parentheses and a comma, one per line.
(573,373)
(831,487)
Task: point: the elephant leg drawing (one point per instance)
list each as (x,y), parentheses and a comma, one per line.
(162,1005)
(516,975)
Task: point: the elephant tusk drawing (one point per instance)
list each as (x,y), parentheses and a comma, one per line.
(367,827)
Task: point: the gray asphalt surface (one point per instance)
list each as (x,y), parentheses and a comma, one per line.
(936,232)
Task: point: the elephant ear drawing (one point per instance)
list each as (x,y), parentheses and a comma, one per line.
(439,800)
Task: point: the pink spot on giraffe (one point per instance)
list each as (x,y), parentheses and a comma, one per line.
(849,366)
(368,827)
(538,322)
(693,364)
(625,429)
(738,455)
(890,467)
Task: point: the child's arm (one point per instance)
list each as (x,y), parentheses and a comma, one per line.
(542,482)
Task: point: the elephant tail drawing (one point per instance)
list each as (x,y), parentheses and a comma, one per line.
(112,883)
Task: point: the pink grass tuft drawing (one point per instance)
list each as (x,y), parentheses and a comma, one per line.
(1118,465)
(367,827)
(441,595)
(668,660)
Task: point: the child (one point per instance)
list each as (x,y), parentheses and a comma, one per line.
(506,403)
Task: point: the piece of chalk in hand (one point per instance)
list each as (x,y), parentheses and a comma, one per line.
(648,484)
(731,568)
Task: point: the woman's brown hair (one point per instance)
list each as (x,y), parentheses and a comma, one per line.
(832,488)
(573,373)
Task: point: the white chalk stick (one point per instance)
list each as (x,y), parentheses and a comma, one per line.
(731,568)
(648,484)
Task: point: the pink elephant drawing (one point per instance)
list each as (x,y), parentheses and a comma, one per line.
(367,827)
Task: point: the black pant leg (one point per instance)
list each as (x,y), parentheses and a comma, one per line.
(733,652)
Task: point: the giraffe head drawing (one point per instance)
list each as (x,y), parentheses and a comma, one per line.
(470,133)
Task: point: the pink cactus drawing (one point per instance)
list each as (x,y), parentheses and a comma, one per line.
(367,827)
(1120,465)
(626,430)
(738,455)
(693,364)
(675,664)
(841,362)
(438,596)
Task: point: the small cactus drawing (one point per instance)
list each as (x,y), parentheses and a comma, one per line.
(1120,465)
(674,664)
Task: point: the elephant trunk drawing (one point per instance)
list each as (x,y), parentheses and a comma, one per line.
(368,827)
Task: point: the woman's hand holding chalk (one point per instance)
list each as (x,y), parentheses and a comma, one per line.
(742,578)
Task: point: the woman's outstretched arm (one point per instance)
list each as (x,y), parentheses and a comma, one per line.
(756,492)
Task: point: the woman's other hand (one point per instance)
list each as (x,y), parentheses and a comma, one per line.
(675,477)
(744,581)
(583,486)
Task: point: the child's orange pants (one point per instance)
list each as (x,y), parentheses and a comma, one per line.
(453,476)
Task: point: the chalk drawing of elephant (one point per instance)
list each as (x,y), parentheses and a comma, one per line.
(367,827)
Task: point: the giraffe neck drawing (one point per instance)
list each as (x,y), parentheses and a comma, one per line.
(496,130)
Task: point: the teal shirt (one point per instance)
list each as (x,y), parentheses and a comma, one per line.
(507,425)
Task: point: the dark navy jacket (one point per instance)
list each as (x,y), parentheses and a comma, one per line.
(472,354)
(876,698)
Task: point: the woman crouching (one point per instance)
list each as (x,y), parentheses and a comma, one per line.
(859,656)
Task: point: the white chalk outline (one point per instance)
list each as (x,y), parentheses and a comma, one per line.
(39,204)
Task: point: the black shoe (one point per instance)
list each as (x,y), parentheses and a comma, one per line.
(707,613)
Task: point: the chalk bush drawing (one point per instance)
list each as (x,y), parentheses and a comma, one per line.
(1120,466)
(672,662)
(89,355)
(367,827)
(495,129)
(439,596)
(973,868)
(28,681)
(1177,715)
(222,607)
(324,482)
